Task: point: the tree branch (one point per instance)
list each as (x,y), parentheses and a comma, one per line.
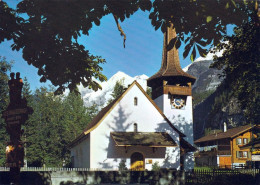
(120,29)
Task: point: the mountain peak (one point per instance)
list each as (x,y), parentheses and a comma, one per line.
(119,73)
(143,76)
(101,97)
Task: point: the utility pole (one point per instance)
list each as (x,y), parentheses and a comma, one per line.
(15,115)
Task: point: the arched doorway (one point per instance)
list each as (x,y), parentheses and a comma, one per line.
(137,161)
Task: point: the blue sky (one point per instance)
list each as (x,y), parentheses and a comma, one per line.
(142,54)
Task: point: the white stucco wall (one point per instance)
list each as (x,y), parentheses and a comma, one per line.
(81,154)
(104,153)
(182,119)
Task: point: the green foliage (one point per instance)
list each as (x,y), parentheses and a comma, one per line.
(241,65)
(47,32)
(204,168)
(118,90)
(222,98)
(56,121)
(122,165)
(156,166)
(199,97)
(209,131)
(26,91)
(4,100)
(8,23)
(149,91)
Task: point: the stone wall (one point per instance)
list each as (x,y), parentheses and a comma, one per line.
(162,177)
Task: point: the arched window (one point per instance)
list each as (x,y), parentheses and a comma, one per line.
(135,101)
(135,127)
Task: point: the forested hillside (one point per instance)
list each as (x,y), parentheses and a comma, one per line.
(237,100)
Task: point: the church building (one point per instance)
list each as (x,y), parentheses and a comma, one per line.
(141,131)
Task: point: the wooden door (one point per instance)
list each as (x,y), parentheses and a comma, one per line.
(224,161)
(137,161)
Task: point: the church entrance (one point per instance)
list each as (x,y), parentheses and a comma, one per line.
(137,161)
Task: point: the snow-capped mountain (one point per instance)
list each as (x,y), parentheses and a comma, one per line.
(207,79)
(101,97)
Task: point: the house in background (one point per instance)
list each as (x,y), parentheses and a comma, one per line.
(224,149)
(141,130)
(254,147)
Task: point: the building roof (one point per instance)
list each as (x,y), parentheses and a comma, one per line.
(170,69)
(106,110)
(151,139)
(187,146)
(230,133)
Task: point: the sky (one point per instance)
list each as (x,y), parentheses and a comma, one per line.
(142,54)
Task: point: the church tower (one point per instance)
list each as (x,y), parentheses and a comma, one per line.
(171,89)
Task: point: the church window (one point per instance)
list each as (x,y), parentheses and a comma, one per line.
(135,101)
(135,127)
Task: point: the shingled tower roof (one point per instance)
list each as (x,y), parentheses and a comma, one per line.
(170,69)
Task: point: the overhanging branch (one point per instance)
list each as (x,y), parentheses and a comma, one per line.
(120,29)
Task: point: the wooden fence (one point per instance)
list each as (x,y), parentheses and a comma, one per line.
(208,176)
(49,169)
(193,177)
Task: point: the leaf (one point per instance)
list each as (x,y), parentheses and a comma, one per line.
(151,16)
(97,21)
(227,5)
(209,18)
(186,50)
(234,3)
(171,44)
(186,40)
(157,25)
(178,44)
(43,79)
(163,27)
(202,52)
(193,54)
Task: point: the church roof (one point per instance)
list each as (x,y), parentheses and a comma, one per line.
(106,110)
(230,133)
(170,69)
(151,139)
(187,146)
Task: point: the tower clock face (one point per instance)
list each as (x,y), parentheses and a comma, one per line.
(178,102)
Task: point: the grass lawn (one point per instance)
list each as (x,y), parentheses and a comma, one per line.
(205,168)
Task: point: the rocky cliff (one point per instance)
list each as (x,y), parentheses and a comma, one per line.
(213,104)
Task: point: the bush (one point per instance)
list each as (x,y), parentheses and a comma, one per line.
(122,165)
(155,166)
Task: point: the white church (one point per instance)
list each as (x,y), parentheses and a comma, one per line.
(141,130)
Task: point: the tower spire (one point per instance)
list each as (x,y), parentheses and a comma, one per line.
(170,70)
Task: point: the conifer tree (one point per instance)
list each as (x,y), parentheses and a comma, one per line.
(4,100)
(118,90)
(56,121)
